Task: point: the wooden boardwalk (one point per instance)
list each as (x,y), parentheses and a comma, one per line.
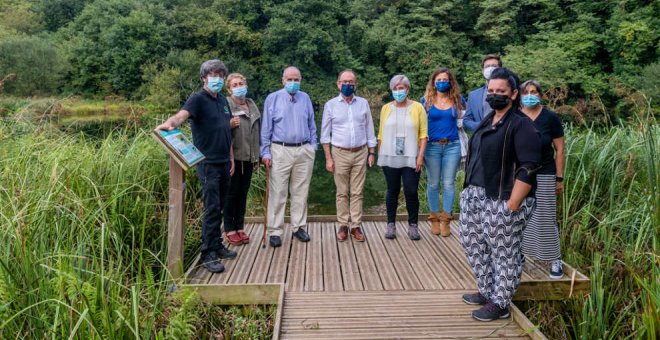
(379,288)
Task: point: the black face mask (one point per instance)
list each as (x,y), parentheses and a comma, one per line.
(497,101)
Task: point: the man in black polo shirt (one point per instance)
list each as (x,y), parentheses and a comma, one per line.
(210,115)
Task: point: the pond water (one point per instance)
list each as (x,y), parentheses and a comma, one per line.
(321,200)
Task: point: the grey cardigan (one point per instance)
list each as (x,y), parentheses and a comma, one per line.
(246,135)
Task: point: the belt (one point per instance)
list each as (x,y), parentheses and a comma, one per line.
(291,144)
(356,149)
(441,141)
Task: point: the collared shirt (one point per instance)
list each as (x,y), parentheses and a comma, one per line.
(348,124)
(211,132)
(287,119)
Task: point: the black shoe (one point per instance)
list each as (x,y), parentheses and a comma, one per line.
(275,241)
(490,312)
(212,262)
(225,253)
(302,235)
(474,299)
(556,270)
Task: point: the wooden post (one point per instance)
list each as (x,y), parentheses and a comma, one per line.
(175,221)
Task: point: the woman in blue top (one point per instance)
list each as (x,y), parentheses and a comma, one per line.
(444,104)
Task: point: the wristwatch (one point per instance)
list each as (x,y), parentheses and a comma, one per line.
(559,178)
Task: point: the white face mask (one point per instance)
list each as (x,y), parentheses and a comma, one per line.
(487,71)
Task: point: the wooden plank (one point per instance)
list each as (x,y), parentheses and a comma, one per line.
(366,265)
(241,294)
(231,264)
(417,261)
(349,267)
(314,259)
(550,289)
(388,276)
(279,315)
(333,218)
(197,274)
(245,261)
(453,253)
(176,225)
(406,274)
(331,271)
(263,259)
(295,278)
(437,260)
(280,263)
(527,326)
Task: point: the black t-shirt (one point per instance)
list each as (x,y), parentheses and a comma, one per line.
(549,127)
(211,132)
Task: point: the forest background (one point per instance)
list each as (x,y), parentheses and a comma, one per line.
(589,55)
(83,188)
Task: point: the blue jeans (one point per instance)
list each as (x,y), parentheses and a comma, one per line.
(441,160)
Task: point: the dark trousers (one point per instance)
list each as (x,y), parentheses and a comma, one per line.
(410,178)
(215,185)
(237,197)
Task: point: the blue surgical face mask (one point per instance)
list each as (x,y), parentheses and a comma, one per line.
(530,100)
(443,86)
(215,84)
(399,95)
(292,86)
(239,92)
(347,90)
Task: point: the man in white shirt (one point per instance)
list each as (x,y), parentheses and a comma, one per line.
(349,142)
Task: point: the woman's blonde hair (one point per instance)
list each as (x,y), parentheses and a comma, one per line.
(232,77)
(454,91)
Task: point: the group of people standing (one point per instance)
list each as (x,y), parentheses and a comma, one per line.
(513,165)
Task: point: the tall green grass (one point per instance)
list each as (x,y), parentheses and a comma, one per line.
(82,237)
(83,240)
(609,225)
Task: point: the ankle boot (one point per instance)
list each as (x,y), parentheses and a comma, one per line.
(444,219)
(435,223)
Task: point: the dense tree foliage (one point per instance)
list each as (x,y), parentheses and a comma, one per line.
(581,50)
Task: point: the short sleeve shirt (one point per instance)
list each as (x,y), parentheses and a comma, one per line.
(549,127)
(210,127)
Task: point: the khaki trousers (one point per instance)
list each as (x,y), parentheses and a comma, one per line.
(350,173)
(290,172)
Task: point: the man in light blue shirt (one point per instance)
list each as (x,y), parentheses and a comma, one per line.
(288,144)
(349,142)
(477,107)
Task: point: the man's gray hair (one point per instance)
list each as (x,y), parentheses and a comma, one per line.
(212,66)
(531,82)
(290,68)
(399,79)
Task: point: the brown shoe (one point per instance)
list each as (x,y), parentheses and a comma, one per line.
(444,223)
(435,223)
(357,234)
(342,235)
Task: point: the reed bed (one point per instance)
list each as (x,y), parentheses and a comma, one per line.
(83,220)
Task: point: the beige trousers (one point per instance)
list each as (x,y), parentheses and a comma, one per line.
(290,172)
(350,173)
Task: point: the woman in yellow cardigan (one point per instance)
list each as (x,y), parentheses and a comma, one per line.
(401,143)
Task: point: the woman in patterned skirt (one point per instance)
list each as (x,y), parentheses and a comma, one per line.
(504,154)
(541,236)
